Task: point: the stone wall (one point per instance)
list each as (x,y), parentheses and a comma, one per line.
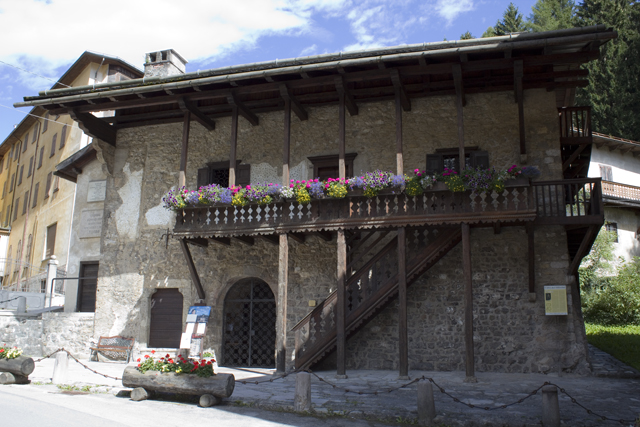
(136,259)
(42,334)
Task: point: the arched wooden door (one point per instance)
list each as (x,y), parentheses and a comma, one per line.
(166,319)
(249,325)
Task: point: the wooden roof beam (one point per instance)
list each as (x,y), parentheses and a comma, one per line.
(341,87)
(95,127)
(247,240)
(244,111)
(613,146)
(186,105)
(297,108)
(399,90)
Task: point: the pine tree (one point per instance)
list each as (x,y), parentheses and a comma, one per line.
(511,22)
(614,80)
(466,36)
(548,15)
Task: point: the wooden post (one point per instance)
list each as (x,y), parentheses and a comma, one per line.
(340,309)
(468,305)
(234,142)
(457,80)
(281,315)
(342,136)
(182,177)
(287,142)
(403,341)
(399,157)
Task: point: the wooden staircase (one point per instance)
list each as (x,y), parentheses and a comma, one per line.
(368,290)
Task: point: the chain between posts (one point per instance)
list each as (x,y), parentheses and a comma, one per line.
(12,299)
(79,362)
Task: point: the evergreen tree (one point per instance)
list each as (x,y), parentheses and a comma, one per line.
(466,36)
(511,22)
(548,15)
(614,85)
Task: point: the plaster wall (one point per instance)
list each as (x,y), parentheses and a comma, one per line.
(625,168)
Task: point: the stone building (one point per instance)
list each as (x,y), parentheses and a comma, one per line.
(441,281)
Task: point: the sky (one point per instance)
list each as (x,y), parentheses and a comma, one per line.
(40,39)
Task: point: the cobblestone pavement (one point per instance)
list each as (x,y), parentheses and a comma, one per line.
(605,365)
(617,398)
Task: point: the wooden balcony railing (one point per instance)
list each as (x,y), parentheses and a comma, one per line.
(385,210)
(569,201)
(575,125)
(620,191)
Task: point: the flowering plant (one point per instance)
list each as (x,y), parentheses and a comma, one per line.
(9,352)
(179,365)
(372,182)
(336,187)
(419,182)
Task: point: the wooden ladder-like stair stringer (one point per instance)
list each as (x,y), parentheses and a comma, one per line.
(423,260)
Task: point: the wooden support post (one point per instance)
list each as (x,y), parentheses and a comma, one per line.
(457,80)
(403,340)
(341,336)
(399,157)
(287,142)
(182,177)
(234,142)
(192,268)
(281,314)
(518,73)
(468,305)
(342,136)
(532,262)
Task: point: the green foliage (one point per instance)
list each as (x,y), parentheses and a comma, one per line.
(595,269)
(622,342)
(466,36)
(511,22)
(549,15)
(614,87)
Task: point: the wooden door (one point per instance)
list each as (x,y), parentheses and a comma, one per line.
(166,319)
(87,287)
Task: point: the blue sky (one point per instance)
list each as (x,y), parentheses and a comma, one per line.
(46,36)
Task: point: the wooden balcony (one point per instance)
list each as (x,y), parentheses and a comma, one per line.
(556,202)
(575,125)
(623,194)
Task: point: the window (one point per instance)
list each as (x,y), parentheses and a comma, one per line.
(46,123)
(47,188)
(35,132)
(26,203)
(218,173)
(25,145)
(4,189)
(30,166)
(450,158)
(63,136)
(56,183)
(53,145)
(605,173)
(20,174)
(613,228)
(87,287)
(15,208)
(28,252)
(35,195)
(1,164)
(8,217)
(16,151)
(51,240)
(11,152)
(41,156)
(13,178)
(325,167)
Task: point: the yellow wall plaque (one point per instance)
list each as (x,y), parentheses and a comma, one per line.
(555,300)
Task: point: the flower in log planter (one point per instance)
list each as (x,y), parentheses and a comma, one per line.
(9,352)
(14,367)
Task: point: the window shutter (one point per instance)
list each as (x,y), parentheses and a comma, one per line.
(30,166)
(20,175)
(35,132)
(47,188)
(41,156)
(243,175)
(46,123)
(203,177)
(16,151)
(434,163)
(605,173)
(1,164)
(26,139)
(51,240)
(13,178)
(35,195)
(26,203)
(479,159)
(56,183)
(63,136)
(53,145)
(4,189)
(15,208)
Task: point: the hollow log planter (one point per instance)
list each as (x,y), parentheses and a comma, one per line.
(211,390)
(16,371)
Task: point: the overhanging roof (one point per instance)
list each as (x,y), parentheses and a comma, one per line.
(615,143)
(71,167)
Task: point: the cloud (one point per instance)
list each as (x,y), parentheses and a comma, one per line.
(309,50)
(450,9)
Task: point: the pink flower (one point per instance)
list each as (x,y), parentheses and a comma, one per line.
(297,182)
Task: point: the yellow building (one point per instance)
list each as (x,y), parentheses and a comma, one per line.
(36,206)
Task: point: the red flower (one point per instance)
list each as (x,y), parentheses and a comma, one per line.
(1,350)
(153,352)
(146,356)
(170,360)
(138,359)
(138,365)
(209,363)
(167,356)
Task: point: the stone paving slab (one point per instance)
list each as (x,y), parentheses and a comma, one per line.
(617,398)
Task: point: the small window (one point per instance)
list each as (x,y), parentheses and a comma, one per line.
(218,173)
(63,136)
(8,217)
(1,164)
(15,208)
(53,145)
(4,189)
(449,158)
(26,203)
(35,195)
(20,174)
(51,240)
(25,145)
(613,228)
(13,178)
(605,173)
(325,167)
(35,132)
(30,166)
(47,188)
(46,123)
(41,156)
(56,183)
(16,151)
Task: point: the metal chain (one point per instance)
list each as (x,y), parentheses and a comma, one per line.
(9,300)
(74,358)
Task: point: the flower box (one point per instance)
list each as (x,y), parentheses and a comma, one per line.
(517,182)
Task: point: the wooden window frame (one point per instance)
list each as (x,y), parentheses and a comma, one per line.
(1,164)
(50,241)
(613,228)
(56,183)
(35,132)
(13,179)
(606,173)
(330,162)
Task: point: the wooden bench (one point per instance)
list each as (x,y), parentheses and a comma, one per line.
(113,348)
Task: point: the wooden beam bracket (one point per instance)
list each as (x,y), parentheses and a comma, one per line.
(297,108)
(186,105)
(95,127)
(232,99)
(400,90)
(341,87)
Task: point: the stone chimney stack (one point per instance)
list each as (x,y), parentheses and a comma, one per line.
(164,63)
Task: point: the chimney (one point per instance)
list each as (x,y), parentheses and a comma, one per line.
(164,63)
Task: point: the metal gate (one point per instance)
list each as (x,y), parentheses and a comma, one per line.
(249,325)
